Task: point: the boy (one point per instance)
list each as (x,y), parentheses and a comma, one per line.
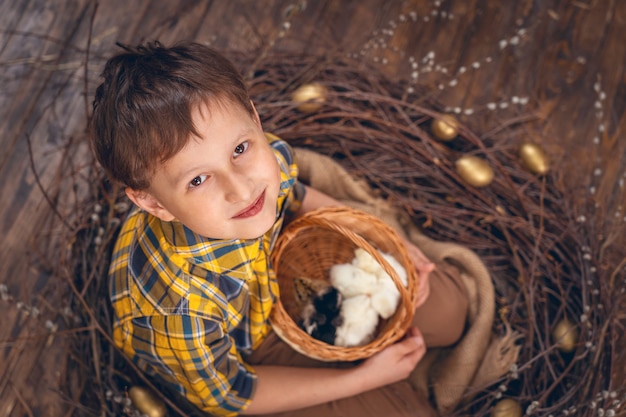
(190,282)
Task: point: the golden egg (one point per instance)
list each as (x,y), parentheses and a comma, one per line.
(146,402)
(445,127)
(474,170)
(310,97)
(565,335)
(507,407)
(534,158)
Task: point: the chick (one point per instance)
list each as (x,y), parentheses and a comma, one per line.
(385,295)
(363,260)
(386,298)
(346,310)
(306,288)
(319,308)
(359,321)
(351,280)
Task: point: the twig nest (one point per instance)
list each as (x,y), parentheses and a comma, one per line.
(565,335)
(534,158)
(310,97)
(507,407)
(146,402)
(474,170)
(445,128)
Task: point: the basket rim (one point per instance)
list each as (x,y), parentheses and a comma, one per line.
(331,218)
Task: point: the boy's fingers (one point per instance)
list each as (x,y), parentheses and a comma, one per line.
(412,332)
(412,341)
(415,332)
(422,263)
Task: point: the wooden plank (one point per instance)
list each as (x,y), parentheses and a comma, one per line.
(41,68)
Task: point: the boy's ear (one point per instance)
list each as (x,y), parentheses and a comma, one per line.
(149,203)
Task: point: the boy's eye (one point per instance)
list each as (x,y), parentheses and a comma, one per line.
(241,148)
(197,181)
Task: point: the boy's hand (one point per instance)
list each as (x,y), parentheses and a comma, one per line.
(424,267)
(397,361)
(311,386)
(422,263)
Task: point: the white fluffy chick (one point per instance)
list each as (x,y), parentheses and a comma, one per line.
(368,294)
(385,296)
(359,321)
(363,260)
(351,280)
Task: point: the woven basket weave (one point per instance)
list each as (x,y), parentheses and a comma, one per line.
(309,247)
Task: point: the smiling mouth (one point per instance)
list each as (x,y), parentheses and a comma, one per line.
(253,209)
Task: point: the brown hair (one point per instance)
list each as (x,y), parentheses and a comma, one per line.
(142,110)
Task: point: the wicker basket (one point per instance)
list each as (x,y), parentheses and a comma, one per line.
(309,247)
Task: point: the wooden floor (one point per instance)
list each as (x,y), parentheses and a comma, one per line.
(558,65)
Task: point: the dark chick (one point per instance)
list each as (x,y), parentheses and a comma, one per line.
(320,309)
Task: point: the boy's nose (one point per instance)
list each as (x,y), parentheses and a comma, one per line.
(238,188)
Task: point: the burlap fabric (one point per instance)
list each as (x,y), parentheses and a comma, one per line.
(446,375)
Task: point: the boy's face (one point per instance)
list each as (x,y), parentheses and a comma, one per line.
(223,185)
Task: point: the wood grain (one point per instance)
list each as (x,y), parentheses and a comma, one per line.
(567,58)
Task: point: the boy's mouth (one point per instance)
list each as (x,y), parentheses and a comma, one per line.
(253,209)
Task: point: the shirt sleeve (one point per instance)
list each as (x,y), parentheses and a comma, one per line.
(195,356)
(290,185)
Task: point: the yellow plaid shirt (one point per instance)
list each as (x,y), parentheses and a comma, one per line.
(187,307)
